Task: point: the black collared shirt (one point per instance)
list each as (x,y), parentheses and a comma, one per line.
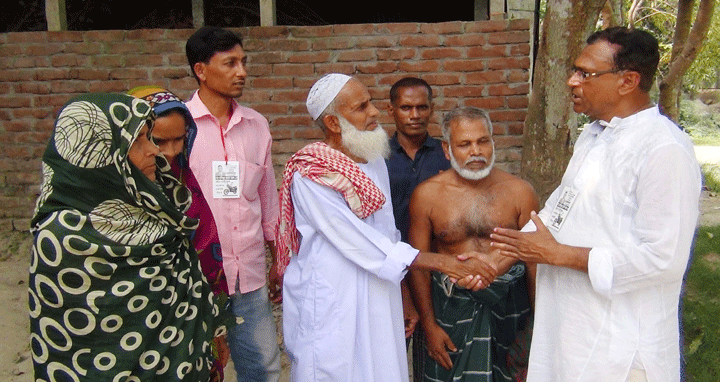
(406,174)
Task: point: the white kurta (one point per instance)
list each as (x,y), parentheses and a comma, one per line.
(342,306)
(638,185)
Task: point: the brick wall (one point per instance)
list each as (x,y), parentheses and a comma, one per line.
(483,64)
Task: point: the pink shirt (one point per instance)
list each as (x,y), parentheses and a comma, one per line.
(245,223)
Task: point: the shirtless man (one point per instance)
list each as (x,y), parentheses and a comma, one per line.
(468,333)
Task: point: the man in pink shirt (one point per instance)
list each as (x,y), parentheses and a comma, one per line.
(232,163)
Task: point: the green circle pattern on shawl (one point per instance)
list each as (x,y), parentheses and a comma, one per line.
(115,292)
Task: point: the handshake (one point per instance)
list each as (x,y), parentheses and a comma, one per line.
(470,270)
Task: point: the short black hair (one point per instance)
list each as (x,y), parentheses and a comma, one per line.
(638,51)
(408,82)
(206,41)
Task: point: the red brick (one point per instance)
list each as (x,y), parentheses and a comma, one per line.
(378,68)
(95,36)
(376,42)
(26,37)
(292,69)
(419,40)
(266,57)
(396,54)
(89,48)
(509,141)
(11,101)
(464,65)
(398,28)
(32,112)
(449,27)
(312,31)
(519,24)
(308,57)
(279,133)
(488,51)
(123,47)
(520,50)
(146,34)
(486,26)
(464,91)
(32,87)
(353,29)
(70,87)
(69,60)
(107,61)
(332,43)
(267,32)
(508,115)
(110,86)
(506,90)
(509,37)
(90,74)
(174,73)
(518,75)
(295,95)
(128,73)
(440,53)
(509,63)
(518,102)
(485,77)
(420,66)
(356,55)
(465,39)
(142,60)
(313,132)
(43,49)
(271,83)
(442,79)
(65,36)
(487,103)
(290,120)
(7,50)
(286,45)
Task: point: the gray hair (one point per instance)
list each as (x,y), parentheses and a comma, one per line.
(331,109)
(469,112)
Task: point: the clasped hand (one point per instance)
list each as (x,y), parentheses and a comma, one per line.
(472,270)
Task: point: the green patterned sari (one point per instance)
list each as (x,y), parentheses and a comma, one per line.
(115,289)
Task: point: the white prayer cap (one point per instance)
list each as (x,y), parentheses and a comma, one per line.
(323,92)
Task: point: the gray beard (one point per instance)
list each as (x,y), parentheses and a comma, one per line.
(368,145)
(472,174)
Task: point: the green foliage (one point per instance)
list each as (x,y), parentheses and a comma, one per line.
(659,18)
(701,309)
(701,122)
(705,70)
(711,176)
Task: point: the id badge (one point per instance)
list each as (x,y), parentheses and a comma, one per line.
(225,178)
(562,208)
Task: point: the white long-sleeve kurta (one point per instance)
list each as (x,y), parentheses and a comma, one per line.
(638,185)
(342,306)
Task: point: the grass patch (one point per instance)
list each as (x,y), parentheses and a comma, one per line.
(711,176)
(701,309)
(701,122)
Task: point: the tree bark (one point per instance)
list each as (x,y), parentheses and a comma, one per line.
(551,126)
(687,43)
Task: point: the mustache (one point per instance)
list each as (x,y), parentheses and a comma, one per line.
(476,159)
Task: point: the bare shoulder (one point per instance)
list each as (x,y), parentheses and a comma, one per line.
(513,185)
(432,185)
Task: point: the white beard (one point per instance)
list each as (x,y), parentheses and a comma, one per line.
(368,145)
(472,174)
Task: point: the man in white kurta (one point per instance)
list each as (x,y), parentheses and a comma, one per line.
(342,309)
(342,313)
(615,236)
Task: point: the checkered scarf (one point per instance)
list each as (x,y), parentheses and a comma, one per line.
(328,167)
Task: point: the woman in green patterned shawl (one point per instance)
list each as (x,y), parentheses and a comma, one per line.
(115,292)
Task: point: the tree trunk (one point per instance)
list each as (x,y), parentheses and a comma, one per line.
(687,43)
(551,125)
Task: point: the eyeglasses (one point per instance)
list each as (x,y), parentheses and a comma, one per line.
(584,76)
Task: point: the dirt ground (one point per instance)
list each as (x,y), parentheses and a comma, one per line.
(15,361)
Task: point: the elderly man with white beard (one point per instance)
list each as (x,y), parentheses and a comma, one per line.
(472,335)
(342,307)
